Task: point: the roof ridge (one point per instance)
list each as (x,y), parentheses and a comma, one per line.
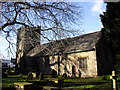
(82,42)
(72,37)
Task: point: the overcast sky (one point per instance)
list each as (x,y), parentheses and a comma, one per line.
(90,23)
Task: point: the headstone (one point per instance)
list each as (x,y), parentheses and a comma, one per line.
(64,75)
(20,76)
(34,75)
(54,74)
(4,74)
(37,75)
(41,76)
(29,76)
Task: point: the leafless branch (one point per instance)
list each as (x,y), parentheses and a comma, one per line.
(55,18)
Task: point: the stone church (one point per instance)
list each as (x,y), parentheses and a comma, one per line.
(89,54)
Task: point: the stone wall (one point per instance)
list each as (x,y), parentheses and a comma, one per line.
(63,63)
(20,45)
(27,39)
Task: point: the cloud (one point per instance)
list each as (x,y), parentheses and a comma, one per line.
(98,6)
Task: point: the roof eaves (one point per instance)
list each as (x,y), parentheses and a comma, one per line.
(78,51)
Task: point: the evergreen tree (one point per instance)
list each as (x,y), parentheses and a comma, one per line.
(111,22)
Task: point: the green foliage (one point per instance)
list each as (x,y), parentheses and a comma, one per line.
(118,63)
(111,31)
(105,77)
(111,23)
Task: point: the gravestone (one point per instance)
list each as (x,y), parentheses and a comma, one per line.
(54,73)
(41,76)
(20,76)
(64,75)
(34,75)
(29,76)
(4,74)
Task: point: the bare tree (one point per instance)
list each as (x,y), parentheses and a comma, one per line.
(56,19)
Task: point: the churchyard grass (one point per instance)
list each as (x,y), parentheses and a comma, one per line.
(69,83)
(11,79)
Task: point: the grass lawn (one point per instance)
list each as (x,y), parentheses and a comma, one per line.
(100,82)
(11,79)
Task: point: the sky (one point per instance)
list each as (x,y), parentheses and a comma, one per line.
(90,23)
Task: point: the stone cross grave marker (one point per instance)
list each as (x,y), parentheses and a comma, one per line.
(114,77)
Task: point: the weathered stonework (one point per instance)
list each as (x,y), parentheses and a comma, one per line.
(67,61)
(87,53)
(27,39)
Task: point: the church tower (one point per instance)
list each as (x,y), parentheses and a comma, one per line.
(27,39)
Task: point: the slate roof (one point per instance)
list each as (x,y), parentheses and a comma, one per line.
(82,42)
